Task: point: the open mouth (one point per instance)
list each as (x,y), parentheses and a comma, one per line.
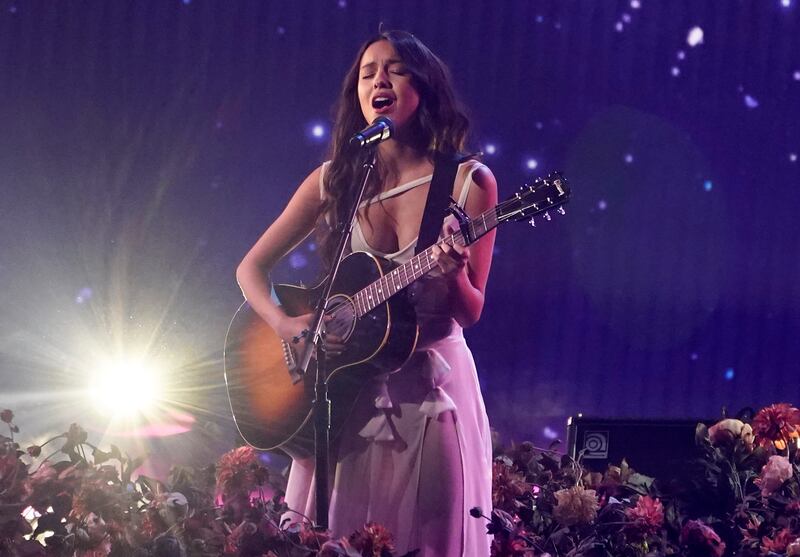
(382,102)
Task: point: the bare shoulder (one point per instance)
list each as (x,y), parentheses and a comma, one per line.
(482,194)
(483,177)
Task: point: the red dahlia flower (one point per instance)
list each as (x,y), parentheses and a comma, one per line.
(776,424)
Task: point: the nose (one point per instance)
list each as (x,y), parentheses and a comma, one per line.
(382,79)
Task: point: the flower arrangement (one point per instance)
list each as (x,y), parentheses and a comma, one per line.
(742,498)
(87,504)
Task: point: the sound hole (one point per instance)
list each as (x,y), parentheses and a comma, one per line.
(343,317)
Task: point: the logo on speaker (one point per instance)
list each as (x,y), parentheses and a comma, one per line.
(595,444)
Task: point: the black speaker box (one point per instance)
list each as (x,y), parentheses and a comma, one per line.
(659,448)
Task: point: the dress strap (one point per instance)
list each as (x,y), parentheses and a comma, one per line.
(468,181)
(397,190)
(322,170)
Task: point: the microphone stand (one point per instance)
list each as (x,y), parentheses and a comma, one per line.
(321,408)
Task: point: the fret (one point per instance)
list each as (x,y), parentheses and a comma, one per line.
(381,290)
(373,302)
(377,292)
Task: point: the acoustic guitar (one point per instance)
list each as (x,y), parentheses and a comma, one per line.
(370,309)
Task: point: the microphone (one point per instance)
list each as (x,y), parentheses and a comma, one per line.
(379,130)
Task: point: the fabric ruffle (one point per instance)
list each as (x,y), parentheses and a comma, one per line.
(436,371)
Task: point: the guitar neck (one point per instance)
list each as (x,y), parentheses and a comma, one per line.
(398,278)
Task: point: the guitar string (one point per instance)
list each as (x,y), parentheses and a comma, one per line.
(364,300)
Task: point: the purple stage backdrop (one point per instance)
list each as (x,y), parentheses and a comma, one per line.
(144,145)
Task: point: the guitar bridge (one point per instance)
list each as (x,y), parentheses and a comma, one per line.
(290,358)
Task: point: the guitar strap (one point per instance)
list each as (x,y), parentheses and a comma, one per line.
(445,167)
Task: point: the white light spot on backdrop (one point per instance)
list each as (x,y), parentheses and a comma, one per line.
(317,130)
(626,18)
(539,125)
(602,205)
(708,185)
(628,158)
(786,3)
(490,149)
(695,36)
(550,433)
(792,157)
(796,75)
(539,19)
(636,4)
(694,356)
(619,27)
(532,164)
(342,4)
(729,374)
(680,55)
(675,71)
(750,101)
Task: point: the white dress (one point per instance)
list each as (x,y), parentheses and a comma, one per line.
(417,455)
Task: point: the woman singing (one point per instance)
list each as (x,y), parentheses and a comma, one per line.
(416,454)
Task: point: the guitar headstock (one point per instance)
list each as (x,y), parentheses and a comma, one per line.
(551,192)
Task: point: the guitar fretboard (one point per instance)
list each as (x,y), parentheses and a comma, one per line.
(398,278)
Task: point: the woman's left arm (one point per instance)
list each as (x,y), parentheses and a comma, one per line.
(467,268)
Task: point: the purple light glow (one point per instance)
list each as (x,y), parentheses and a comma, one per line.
(297,260)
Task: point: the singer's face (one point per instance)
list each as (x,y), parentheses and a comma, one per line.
(384,86)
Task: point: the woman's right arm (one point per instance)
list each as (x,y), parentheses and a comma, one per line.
(293,225)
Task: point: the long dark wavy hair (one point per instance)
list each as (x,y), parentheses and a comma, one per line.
(440,125)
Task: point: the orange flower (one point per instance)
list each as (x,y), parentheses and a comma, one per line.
(235,470)
(575,505)
(507,485)
(373,539)
(728,432)
(776,424)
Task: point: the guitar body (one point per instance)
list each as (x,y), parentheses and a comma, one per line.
(271,407)
(368,308)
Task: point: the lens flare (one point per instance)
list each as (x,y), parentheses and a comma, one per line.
(125,387)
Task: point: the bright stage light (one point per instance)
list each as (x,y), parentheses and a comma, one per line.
(125,387)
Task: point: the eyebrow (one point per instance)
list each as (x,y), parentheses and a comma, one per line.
(389,61)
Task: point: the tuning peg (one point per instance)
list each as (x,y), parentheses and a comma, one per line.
(547,216)
(532,222)
(561,211)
